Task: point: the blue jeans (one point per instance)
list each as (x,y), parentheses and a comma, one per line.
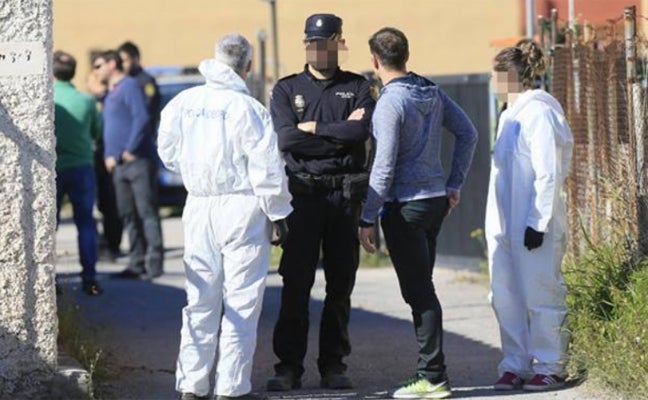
(79,184)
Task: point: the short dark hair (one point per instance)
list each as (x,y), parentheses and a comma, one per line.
(64,66)
(129,48)
(112,55)
(391,47)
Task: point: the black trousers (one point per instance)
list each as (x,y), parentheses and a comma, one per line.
(107,203)
(136,191)
(411,230)
(323,220)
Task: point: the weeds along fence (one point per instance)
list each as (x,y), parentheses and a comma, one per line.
(599,76)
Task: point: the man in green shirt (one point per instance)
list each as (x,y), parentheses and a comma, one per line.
(76,126)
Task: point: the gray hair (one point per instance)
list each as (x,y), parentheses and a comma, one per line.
(234,51)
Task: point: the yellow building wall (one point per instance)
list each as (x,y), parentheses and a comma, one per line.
(642,21)
(446,36)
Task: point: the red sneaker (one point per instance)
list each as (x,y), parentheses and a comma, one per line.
(508,381)
(541,382)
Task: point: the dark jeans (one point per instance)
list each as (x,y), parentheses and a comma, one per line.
(107,202)
(79,184)
(325,221)
(136,190)
(411,229)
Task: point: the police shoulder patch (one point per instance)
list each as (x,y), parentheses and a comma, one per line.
(286,77)
(149,89)
(374,91)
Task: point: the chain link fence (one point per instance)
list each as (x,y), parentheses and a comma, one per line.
(602,87)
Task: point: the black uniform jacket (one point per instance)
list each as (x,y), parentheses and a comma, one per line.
(152,93)
(338,146)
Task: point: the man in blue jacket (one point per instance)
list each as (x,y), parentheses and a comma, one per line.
(407,180)
(130,154)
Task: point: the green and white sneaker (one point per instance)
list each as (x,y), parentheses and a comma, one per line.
(418,387)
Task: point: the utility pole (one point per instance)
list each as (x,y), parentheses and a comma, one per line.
(28,322)
(530,18)
(261,39)
(275,40)
(572,15)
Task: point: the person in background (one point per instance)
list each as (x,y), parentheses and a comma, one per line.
(526,225)
(76,125)
(408,182)
(131,60)
(110,240)
(130,155)
(322,117)
(223,143)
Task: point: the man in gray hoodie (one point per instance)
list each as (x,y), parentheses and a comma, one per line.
(408,182)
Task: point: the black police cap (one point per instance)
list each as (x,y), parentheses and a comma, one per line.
(322,26)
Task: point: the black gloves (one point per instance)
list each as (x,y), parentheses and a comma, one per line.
(279,232)
(532,238)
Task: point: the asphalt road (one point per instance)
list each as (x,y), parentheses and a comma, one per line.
(137,324)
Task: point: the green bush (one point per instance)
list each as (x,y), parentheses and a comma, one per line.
(608,318)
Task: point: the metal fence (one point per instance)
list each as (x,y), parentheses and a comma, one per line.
(599,76)
(472,93)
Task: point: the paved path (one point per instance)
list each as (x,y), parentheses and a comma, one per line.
(138,324)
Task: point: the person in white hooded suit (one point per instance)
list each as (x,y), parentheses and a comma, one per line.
(222,142)
(526,225)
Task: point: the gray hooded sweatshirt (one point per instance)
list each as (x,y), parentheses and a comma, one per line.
(407,125)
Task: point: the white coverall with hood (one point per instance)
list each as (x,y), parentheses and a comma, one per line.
(530,164)
(222,142)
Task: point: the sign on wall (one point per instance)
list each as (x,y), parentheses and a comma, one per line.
(22,58)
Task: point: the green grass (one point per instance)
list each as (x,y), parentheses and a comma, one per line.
(79,345)
(608,318)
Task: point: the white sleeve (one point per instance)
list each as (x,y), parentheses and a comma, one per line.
(540,132)
(266,168)
(169,141)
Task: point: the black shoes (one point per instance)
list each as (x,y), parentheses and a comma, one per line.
(335,380)
(288,380)
(127,274)
(191,396)
(150,276)
(283,381)
(130,274)
(249,396)
(91,287)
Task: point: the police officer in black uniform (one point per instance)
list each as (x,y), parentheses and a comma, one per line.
(322,118)
(130,55)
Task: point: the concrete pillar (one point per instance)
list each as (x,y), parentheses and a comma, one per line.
(28,323)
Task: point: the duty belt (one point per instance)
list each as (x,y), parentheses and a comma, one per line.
(319,181)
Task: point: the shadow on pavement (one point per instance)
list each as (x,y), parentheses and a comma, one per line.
(138,325)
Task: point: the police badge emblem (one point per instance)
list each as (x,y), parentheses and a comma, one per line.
(300,104)
(149,89)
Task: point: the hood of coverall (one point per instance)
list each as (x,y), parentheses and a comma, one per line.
(221,76)
(535,95)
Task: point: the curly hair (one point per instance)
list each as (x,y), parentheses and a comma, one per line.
(527,60)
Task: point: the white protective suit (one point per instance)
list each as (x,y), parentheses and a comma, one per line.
(222,142)
(530,164)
